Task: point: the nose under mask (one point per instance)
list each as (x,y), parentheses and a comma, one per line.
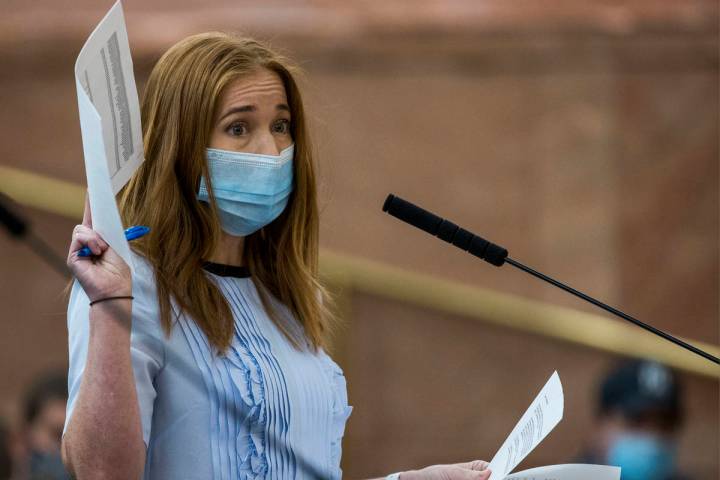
(251,190)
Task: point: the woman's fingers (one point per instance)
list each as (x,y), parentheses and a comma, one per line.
(102,274)
(477,475)
(474,465)
(84,236)
(468,474)
(477,470)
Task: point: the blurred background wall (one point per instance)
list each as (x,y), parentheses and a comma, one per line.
(581,135)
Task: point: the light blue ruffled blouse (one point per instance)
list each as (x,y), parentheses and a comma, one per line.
(265,409)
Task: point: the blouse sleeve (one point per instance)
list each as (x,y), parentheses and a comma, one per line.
(146,344)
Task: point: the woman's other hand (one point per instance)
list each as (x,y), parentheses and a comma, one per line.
(103,274)
(475,470)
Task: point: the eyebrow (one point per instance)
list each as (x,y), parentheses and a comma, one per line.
(252,108)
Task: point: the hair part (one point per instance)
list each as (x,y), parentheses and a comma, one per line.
(178,110)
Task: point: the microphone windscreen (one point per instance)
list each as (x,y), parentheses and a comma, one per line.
(445,230)
(412,214)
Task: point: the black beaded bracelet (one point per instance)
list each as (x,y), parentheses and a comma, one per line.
(128,297)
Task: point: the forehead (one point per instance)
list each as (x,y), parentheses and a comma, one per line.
(259,87)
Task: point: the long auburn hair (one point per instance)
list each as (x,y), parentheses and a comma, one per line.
(177,110)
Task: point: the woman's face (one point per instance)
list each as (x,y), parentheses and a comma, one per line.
(253,115)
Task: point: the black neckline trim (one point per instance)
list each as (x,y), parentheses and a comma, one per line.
(227,270)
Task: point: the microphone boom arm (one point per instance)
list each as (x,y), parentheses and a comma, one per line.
(497,255)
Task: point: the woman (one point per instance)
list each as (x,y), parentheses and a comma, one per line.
(207,362)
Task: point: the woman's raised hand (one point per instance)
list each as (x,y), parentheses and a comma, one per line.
(475,470)
(105,273)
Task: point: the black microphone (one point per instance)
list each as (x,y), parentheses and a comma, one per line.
(445,230)
(497,255)
(16,226)
(19,228)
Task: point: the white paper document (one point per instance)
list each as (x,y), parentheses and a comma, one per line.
(544,413)
(568,472)
(109,122)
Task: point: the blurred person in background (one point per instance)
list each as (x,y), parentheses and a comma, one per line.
(5,452)
(639,414)
(43,418)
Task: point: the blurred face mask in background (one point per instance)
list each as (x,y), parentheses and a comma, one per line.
(251,190)
(642,456)
(47,466)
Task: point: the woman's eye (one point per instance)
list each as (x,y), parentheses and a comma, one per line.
(283,126)
(237,129)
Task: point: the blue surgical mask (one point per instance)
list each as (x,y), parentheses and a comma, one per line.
(642,457)
(251,190)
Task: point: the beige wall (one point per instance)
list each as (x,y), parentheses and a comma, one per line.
(429,387)
(585,143)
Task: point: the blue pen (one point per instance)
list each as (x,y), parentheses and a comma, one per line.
(130,234)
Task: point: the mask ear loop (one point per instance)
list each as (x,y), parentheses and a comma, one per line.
(211,203)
